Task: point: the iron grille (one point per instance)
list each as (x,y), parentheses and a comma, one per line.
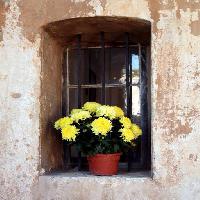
(136,159)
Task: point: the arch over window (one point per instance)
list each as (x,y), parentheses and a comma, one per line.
(90,27)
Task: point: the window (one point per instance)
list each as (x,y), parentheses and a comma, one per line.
(109,71)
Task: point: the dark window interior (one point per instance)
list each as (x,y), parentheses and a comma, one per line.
(115,74)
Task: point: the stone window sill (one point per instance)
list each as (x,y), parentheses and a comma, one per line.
(83,185)
(143,175)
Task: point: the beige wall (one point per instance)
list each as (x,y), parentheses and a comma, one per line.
(175,100)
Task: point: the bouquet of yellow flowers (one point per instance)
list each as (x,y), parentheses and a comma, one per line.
(98,129)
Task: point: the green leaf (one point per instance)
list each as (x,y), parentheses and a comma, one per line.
(116,148)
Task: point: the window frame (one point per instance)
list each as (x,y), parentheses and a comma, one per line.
(145,160)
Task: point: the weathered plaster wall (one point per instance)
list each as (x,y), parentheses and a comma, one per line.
(175,100)
(19,107)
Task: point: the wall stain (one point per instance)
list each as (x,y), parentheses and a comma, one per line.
(2,76)
(169,84)
(195,27)
(16,95)
(172,166)
(193,157)
(193,5)
(36,14)
(30,116)
(157,6)
(2,18)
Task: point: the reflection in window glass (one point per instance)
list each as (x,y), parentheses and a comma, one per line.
(87,94)
(135,68)
(115,97)
(135,100)
(135,80)
(90,71)
(115,65)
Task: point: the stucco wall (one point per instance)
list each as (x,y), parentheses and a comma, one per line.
(175,100)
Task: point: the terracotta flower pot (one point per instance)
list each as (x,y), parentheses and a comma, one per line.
(104,164)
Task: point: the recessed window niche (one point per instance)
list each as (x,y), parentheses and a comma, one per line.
(59,43)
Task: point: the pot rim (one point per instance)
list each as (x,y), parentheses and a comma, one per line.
(105,154)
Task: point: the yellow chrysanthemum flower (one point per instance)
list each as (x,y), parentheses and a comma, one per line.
(62,122)
(118,112)
(75,110)
(107,111)
(69,133)
(91,106)
(126,122)
(127,134)
(82,115)
(136,130)
(101,126)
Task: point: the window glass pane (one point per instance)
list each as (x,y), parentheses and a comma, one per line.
(72,99)
(115,65)
(91,66)
(116,97)
(135,100)
(87,94)
(72,63)
(135,68)
(90,94)
(135,64)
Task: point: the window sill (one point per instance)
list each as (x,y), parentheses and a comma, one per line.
(83,185)
(142,175)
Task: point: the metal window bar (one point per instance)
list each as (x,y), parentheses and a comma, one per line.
(79,89)
(100,85)
(128,88)
(127,74)
(103,67)
(64,106)
(65,96)
(130,82)
(67,83)
(89,62)
(144,107)
(105,45)
(79,68)
(64,83)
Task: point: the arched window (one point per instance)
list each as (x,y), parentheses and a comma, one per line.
(107,60)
